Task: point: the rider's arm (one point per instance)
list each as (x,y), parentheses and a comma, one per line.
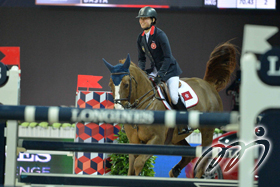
(141,55)
(164,43)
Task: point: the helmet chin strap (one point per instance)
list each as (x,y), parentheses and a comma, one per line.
(147,28)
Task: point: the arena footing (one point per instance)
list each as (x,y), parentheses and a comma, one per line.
(98,180)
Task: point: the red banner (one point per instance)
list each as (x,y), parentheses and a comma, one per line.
(10,56)
(88,81)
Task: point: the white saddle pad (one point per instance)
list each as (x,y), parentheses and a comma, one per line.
(186,93)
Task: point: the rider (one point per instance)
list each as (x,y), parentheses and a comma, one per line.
(154,43)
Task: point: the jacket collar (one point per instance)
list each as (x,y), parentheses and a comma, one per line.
(151,32)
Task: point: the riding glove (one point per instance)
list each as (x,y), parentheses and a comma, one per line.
(148,71)
(157,80)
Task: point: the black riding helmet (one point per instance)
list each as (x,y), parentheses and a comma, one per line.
(148,12)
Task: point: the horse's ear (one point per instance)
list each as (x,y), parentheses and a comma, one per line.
(109,66)
(127,62)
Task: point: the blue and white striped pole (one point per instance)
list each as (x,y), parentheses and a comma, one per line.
(169,118)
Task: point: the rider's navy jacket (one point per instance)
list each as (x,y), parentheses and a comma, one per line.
(160,50)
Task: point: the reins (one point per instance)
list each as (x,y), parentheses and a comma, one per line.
(136,103)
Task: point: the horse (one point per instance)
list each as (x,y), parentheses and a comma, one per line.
(132,89)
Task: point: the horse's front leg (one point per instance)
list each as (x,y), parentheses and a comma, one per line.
(176,170)
(132,136)
(141,159)
(140,162)
(131,170)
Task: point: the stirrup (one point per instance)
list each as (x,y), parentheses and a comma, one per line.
(185,131)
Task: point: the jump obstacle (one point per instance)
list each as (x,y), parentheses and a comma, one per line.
(121,148)
(252,88)
(169,118)
(121,181)
(9,95)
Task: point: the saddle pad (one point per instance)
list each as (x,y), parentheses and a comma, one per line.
(187,96)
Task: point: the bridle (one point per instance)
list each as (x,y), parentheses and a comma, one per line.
(118,101)
(137,103)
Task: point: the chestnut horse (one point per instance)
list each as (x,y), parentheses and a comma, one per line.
(132,88)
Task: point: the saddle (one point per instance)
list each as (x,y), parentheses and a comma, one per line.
(164,89)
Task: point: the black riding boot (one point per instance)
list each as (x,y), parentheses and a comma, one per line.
(180,106)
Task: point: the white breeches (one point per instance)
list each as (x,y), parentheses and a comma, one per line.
(173,85)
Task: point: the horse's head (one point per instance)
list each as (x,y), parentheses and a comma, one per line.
(122,83)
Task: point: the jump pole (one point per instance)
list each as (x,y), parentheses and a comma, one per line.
(124,181)
(169,118)
(125,148)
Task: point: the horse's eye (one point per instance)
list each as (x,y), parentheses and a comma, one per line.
(125,85)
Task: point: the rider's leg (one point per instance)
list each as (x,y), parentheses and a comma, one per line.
(173,85)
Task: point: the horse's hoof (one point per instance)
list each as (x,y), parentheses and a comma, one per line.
(171,174)
(175,172)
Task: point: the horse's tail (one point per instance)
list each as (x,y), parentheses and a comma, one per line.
(220,66)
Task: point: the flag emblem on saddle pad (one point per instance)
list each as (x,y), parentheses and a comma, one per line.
(187,95)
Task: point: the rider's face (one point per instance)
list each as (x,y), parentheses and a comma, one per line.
(145,22)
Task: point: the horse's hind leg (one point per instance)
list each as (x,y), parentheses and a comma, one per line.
(207,138)
(176,170)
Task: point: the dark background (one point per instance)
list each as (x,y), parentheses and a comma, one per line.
(59,43)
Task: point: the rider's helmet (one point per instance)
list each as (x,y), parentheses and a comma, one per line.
(148,12)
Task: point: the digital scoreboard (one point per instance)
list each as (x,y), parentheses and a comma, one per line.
(246,4)
(219,4)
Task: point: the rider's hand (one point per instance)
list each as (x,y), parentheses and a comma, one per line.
(148,71)
(157,80)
